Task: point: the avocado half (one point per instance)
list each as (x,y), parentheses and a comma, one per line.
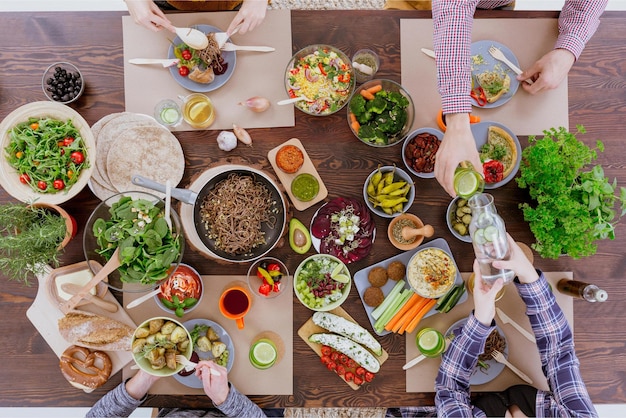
(299,237)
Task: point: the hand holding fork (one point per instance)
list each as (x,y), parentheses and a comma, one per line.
(499,55)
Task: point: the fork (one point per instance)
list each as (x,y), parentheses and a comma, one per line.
(190,364)
(497,54)
(499,357)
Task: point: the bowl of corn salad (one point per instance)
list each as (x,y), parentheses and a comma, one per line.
(323,76)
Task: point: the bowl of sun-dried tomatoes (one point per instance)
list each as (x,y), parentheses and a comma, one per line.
(419,150)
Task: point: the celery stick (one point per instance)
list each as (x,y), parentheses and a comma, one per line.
(380,322)
(401,299)
(376,313)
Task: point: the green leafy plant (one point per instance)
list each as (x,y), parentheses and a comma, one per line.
(29,240)
(575,202)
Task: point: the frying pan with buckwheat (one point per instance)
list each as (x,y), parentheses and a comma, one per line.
(272,232)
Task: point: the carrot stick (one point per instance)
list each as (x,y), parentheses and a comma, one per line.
(404,322)
(355,126)
(412,301)
(352,117)
(429,305)
(375,89)
(367,94)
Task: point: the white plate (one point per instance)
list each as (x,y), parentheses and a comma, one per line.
(362,283)
(479,376)
(192,381)
(490,63)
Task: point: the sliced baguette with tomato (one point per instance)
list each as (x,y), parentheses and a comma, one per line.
(350,348)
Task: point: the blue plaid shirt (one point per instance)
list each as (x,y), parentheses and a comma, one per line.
(453,20)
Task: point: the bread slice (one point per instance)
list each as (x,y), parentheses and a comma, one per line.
(495,84)
(498,136)
(94,331)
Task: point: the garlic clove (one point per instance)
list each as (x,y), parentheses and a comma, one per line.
(256,104)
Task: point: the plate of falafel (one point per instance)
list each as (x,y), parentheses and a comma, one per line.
(374,282)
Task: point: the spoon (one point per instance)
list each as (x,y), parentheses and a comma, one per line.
(143,298)
(96,300)
(409,233)
(192,37)
(295,99)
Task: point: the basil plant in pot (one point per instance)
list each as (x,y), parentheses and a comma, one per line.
(32,237)
(574,202)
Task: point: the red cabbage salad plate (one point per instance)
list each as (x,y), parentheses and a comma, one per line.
(345,229)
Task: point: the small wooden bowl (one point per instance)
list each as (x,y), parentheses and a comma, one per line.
(390,231)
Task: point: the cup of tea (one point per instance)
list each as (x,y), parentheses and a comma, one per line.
(235,302)
(198,110)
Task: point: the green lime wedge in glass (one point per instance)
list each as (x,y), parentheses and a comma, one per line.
(263,354)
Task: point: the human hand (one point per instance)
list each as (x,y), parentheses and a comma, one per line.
(215,387)
(458,145)
(138,385)
(518,262)
(548,72)
(148,14)
(484,297)
(251,14)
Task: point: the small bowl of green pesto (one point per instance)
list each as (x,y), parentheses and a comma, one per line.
(305,187)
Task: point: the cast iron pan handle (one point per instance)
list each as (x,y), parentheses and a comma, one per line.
(184,195)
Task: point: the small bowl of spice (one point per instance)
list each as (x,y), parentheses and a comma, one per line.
(365,63)
(407,231)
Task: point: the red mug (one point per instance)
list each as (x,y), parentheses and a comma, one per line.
(235,303)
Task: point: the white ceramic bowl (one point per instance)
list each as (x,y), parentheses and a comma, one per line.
(399,175)
(299,286)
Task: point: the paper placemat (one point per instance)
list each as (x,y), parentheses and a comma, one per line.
(529,39)
(265,316)
(256,73)
(522,352)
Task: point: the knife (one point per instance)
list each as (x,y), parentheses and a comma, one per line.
(507,320)
(429,52)
(164,62)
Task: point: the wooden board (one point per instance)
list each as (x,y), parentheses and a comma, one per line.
(286,178)
(309,328)
(44,313)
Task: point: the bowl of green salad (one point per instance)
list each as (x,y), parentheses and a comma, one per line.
(48,153)
(150,250)
(322,282)
(381,113)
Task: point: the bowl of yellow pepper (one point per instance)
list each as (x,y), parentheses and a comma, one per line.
(389,191)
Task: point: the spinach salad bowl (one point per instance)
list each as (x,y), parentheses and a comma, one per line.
(149,250)
(381,113)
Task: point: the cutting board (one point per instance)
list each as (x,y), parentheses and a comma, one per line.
(44,314)
(309,328)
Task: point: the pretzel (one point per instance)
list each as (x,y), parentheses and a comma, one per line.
(85,369)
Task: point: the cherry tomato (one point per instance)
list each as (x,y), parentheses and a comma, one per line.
(358,380)
(326,350)
(325,359)
(34,126)
(351,364)
(183,70)
(343,359)
(77,157)
(68,141)
(24,178)
(265,289)
(331,365)
(19,154)
(349,376)
(360,371)
(369,376)
(493,171)
(42,185)
(58,184)
(186,54)
(276,287)
(334,356)
(340,370)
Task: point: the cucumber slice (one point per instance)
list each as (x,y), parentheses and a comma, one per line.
(491,233)
(479,237)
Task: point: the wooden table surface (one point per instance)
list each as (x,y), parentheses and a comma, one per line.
(93,40)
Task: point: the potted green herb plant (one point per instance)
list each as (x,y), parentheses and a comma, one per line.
(31,237)
(574,202)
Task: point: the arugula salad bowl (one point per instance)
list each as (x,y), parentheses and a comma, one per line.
(149,250)
(322,74)
(381,113)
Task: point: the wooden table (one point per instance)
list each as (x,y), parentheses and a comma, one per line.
(93,40)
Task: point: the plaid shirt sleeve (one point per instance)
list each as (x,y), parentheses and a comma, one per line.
(452,38)
(457,365)
(569,396)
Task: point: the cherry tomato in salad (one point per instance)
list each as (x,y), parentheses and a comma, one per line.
(68,141)
(24,178)
(58,184)
(265,289)
(186,54)
(77,157)
(42,185)
(183,71)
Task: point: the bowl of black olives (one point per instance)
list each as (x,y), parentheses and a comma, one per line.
(62,82)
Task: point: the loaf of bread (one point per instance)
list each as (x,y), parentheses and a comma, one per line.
(94,331)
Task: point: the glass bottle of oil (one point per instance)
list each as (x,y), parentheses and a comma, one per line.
(582,290)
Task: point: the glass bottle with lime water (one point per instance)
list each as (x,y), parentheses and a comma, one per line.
(489,238)
(467,181)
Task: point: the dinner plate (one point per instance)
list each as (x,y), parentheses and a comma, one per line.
(316,242)
(480,131)
(192,381)
(489,63)
(480,376)
(230,57)
(361,282)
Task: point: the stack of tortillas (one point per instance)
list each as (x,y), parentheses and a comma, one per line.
(128,144)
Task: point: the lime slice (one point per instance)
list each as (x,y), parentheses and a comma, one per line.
(338,269)
(466,185)
(429,340)
(263,354)
(341,278)
(169,115)
(490,233)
